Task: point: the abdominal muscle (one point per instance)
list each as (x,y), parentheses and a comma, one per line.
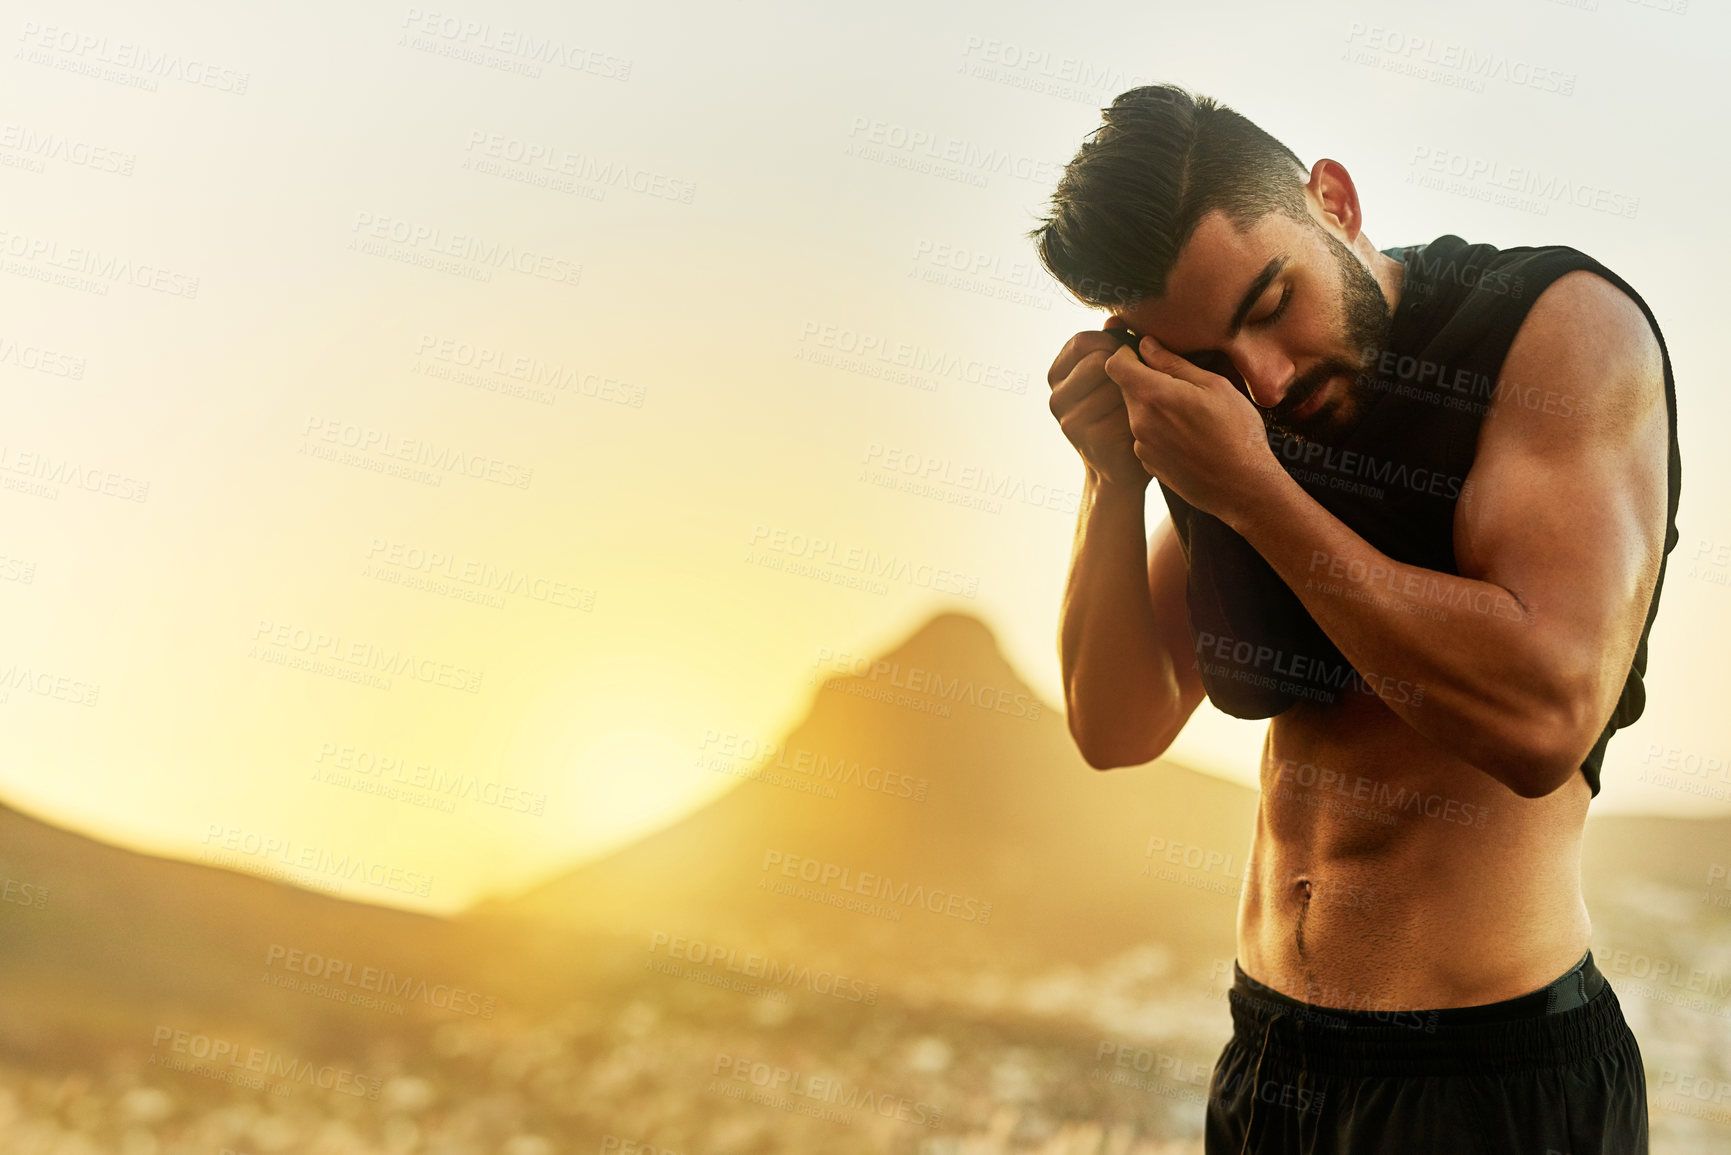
(1387,874)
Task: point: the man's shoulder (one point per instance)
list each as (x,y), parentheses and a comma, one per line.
(1584,347)
(1583,299)
(1466,274)
(1501,301)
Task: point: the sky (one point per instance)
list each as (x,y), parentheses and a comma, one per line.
(404,407)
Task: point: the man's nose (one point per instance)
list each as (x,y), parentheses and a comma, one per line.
(1267,375)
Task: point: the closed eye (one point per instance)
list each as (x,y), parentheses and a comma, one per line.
(1274,314)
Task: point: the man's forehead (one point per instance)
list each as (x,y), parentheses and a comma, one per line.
(1204,288)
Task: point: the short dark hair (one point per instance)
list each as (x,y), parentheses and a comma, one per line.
(1134,193)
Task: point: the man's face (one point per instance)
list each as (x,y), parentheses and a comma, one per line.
(1285,311)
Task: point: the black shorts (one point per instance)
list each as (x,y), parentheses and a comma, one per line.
(1553,1072)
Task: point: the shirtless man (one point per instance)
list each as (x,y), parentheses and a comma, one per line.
(1397,982)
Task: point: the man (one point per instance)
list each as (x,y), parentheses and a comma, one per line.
(1421,500)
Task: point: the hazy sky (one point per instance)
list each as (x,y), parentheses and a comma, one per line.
(400,392)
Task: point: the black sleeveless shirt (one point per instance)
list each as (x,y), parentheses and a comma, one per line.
(1395,479)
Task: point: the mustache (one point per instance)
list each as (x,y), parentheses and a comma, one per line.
(1306,386)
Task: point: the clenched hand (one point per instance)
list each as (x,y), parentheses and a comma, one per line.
(1091,410)
(1192,429)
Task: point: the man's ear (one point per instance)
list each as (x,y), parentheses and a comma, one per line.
(1335,199)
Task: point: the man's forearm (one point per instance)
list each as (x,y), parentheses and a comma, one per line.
(1489,696)
(1118,679)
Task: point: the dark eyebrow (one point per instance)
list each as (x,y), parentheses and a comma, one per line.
(1253,293)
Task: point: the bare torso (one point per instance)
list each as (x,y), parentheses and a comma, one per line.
(1387,874)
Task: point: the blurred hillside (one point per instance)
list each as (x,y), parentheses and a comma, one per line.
(921,895)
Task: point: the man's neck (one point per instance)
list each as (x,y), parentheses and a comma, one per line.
(1388,272)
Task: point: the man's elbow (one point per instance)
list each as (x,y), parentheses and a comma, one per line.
(1535,778)
(1108,754)
(1115,761)
(1550,751)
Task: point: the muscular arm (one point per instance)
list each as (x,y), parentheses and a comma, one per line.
(1561,524)
(1130,681)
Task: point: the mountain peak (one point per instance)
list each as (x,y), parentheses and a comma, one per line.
(949,659)
(955,633)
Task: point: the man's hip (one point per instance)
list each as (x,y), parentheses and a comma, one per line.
(1553,1072)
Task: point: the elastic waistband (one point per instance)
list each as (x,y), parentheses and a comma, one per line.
(1575,1016)
(1571,989)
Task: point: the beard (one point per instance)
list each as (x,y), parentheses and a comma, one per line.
(1365,323)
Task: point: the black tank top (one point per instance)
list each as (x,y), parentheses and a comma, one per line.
(1395,479)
